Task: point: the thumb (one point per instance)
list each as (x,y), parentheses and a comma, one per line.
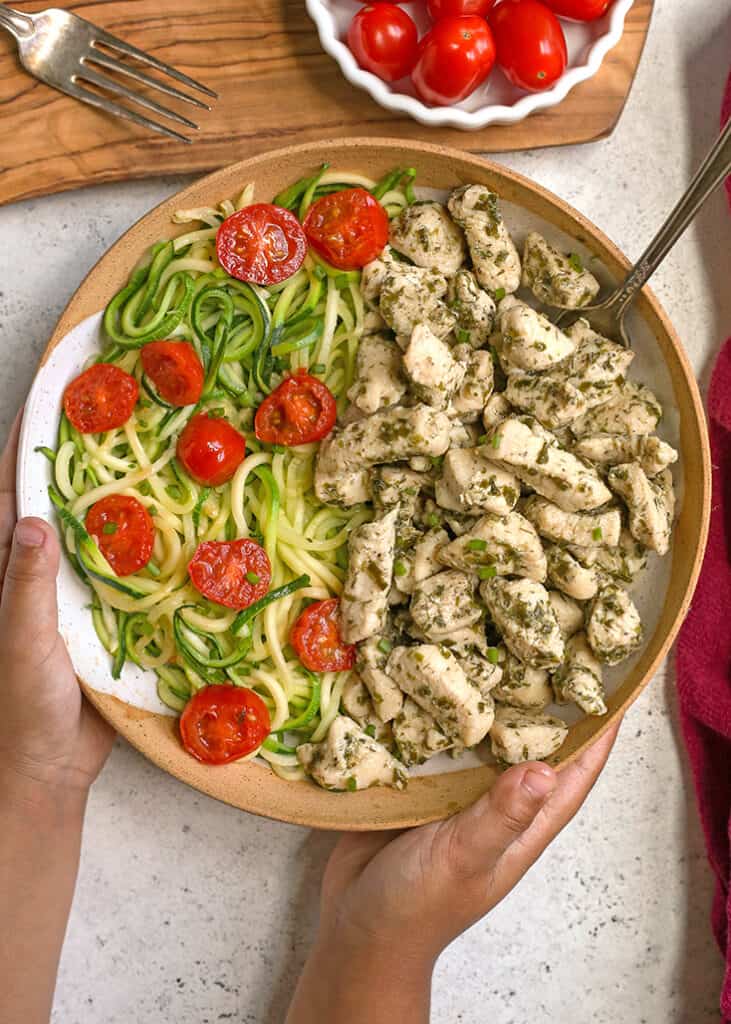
(28,608)
(483,833)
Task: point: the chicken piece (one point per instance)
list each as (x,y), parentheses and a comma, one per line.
(597,360)
(434,679)
(550,470)
(556,279)
(462,435)
(624,563)
(568,575)
(373,323)
(356,703)
(417,735)
(471,483)
(349,759)
(509,545)
(651,454)
(497,409)
(422,560)
(649,522)
(346,487)
(524,617)
(433,372)
(364,600)
(522,686)
(443,603)
(473,307)
(569,614)
(494,256)
(579,679)
(518,735)
(587,529)
(379,379)
(429,237)
(553,401)
(472,395)
(411,296)
(528,339)
(374,274)
(483,674)
(370,659)
(399,488)
(635,410)
(613,627)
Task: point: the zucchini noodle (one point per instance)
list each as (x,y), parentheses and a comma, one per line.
(248,338)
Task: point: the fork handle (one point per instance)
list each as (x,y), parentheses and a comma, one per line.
(17,23)
(713,171)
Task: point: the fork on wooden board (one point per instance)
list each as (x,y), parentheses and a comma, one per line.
(78,58)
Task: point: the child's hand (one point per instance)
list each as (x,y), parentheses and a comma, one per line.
(49,734)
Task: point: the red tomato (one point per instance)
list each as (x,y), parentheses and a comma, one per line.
(302,409)
(452,8)
(175,370)
(348,228)
(211,449)
(316,638)
(223,723)
(455,56)
(384,40)
(531,48)
(262,243)
(123,531)
(234,573)
(579,10)
(101,398)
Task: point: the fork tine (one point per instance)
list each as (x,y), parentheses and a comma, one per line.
(75,90)
(87,74)
(98,57)
(106,39)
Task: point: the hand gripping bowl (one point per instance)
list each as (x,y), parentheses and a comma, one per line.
(661,363)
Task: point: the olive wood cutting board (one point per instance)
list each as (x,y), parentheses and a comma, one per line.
(276,86)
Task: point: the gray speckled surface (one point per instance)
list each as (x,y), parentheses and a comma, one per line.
(190,911)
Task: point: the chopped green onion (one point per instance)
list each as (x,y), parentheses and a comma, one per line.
(433,519)
(487,572)
(496,441)
(152,569)
(253,578)
(499,294)
(493,655)
(109,528)
(370,730)
(462,335)
(597,533)
(477,544)
(352,784)
(575,261)
(482,439)
(399,569)
(384,645)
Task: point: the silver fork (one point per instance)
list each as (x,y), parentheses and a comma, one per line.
(608,316)
(70,54)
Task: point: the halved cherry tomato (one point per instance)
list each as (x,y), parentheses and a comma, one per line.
(220,724)
(455,56)
(234,573)
(262,243)
(531,47)
(453,8)
(348,228)
(300,410)
(175,370)
(210,449)
(123,531)
(579,10)
(384,40)
(316,638)
(101,398)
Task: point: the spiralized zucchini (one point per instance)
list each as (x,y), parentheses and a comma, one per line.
(248,338)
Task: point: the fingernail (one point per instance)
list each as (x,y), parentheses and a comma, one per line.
(28,535)
(539,781)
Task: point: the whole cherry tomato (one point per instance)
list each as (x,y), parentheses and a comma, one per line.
(384,40)
(175,370)
(531,47)
(347,228)
(300,410)
(123,531)
(234,573)
(455,56)
(210,449)
(223,723)
(262,244)
(101,398)
(453,8)
(579,10)
(316,638)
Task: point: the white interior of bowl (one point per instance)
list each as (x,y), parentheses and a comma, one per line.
(495,102)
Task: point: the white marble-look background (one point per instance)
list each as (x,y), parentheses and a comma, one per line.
(190,911)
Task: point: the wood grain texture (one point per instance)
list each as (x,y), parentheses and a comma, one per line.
(276,84)
(253,787)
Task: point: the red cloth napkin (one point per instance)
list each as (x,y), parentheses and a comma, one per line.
(704,661)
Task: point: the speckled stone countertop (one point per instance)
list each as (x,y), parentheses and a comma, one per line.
(189,911)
